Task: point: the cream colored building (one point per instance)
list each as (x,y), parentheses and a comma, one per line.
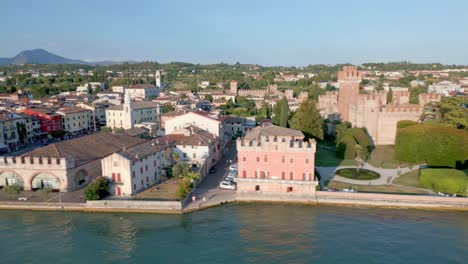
(76,120)
(142,91)
(63,166)
(134,169)
(130,113)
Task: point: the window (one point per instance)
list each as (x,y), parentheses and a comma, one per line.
(154,162)
(146,167)
(141,170)
(244,174)
(194,155)
(141,182)
(116,163)
(283,175)
(265,158)
(118,178)
(113,177)
(147,179)
(283,159)
(134,186)
(289,189)
(291,160)
(291,175)
(258,159)
(133,174)
(307,161)
(244,158)
(257,188)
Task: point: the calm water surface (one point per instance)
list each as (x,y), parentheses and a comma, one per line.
(250,233)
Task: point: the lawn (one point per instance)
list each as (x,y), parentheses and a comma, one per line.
(164,191)
(363,174)
(383,157)
(410,179)
(327,158)
(375,188)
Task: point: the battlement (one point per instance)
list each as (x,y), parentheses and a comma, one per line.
(406,108)
(425,98)
(350,73)
(273,143)
(289,93)
(36,162)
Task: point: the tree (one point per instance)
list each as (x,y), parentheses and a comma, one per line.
(209,97)
(281,113)
(453,111)
(308,120)
(97,189)
(180,170)
(22,133)
(389,96)
(168,108)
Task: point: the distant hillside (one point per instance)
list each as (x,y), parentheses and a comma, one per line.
(40,56)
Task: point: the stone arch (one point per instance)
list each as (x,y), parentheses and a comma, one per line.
(80,178)
(9,178)
(45,180)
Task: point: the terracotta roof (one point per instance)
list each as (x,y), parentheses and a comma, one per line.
(136,105)
(72,109)
(145,149)
(272,130)
(87,148)
(191,136)
(175,113)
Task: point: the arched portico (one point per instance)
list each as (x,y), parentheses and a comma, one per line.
(45,180)
(10,178)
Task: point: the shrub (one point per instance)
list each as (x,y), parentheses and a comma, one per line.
(444,180)
(437,145)
(14,189)
(97,189)
(186,184)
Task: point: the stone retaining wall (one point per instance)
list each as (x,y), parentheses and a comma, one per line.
(132,205)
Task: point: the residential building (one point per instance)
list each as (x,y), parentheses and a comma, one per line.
(142,91)
(50,121)
(276,160)
(76,120)
(130,113)
(134,169)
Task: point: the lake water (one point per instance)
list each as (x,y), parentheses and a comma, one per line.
(243,233)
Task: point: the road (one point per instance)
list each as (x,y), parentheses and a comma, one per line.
(208,187)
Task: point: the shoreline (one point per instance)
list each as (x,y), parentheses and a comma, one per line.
(390,201)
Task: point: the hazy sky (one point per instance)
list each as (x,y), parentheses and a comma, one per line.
(266,32)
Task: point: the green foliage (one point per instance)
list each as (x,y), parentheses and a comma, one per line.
(106,129)
(453,111)
(345,148)
(389,96)
(185,185)
(352,141)
(13,189)
(167,109)
(406,123)
(22,133)
(209,97)
(437,145)
(281,113)
(180,170)
(308,120)
(449,181)
(97,190)
(59,133)
(341,130)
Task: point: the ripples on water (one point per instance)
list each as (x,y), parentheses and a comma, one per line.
(246,233)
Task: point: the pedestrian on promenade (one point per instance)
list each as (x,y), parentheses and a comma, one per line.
(194,198)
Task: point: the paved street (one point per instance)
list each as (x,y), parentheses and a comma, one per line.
(208,188)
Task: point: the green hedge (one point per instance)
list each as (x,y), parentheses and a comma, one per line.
(345,148)
(352,137)
(449,181)
(437,145)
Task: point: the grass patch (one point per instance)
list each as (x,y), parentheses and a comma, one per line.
(410,179)
(327,158)
(384,157)
(165,191)
(363,174)
(394,189)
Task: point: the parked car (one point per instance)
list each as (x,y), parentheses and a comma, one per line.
(233,167)
(230,177)
(227,185)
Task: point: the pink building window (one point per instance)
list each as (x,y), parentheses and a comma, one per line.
(244,174)
(291,175)
(307,161)
(262,175)
(283,159)
(265,158)
(283,175)
(258,159)
(291,160)
(244,158)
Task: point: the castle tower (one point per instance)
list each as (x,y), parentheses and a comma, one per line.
(158,78)
(233,87)
(128,120)
(349,79)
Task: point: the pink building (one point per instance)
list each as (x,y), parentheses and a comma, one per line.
(275,159)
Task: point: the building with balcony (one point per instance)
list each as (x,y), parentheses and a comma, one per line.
(76,120)
(50,121)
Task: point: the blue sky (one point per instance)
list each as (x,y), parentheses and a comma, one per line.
(266,32)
